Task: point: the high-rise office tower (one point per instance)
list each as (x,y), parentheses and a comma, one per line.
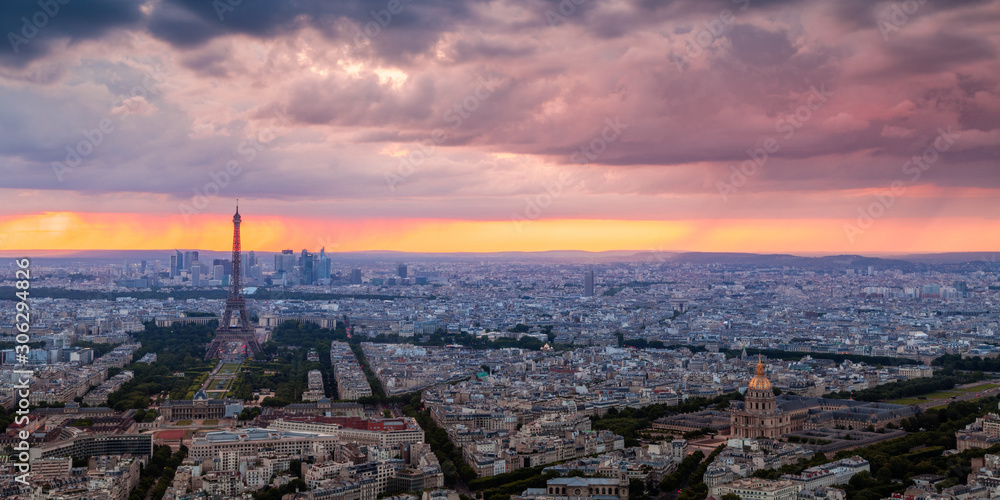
(187,261)
(323,271)
(196,274)
(180,261)
(307,268)
(194,259)
(250,263)
(284,262)
(173,266)
(284,266)
(227,265)
(401,270)
(219,272)
(355,276)
(588,283)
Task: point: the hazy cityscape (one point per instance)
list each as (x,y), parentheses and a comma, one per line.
(424,374)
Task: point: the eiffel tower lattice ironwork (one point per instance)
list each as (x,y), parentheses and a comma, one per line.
(236,308)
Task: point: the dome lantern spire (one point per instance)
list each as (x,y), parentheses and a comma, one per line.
(760,382)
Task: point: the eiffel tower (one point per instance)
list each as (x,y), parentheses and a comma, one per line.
(236,308)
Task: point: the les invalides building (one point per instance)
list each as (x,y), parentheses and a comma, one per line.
(761,416)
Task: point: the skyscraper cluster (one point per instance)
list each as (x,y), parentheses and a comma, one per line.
(218,273)
(305,269)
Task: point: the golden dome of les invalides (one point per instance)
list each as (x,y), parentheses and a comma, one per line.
(760,382)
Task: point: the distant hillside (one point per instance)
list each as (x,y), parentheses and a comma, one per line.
(958,261)
(783,260)
(951,257)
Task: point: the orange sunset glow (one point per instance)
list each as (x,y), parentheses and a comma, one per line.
(86,231)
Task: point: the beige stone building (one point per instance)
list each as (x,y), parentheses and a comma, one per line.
(760,415)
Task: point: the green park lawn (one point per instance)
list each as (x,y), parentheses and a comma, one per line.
(944,394)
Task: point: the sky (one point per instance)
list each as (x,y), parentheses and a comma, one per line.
(852,126)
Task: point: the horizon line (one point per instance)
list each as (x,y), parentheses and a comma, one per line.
(20,253)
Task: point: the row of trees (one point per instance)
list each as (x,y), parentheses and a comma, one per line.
(156,477)
(955,362)
(179,349)
(308,334)
(629,421)
(679,477)
(697,489)
(449,456)
(282,366)
(941,381)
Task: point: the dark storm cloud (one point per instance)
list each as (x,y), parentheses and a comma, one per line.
(863,14)
(760,47)
(212,62)
(469,50)
(192,23)
(940,52)
(412,30)
(33,28)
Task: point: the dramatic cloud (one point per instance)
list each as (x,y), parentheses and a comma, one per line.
(509,109)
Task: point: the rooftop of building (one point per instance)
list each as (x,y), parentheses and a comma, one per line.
(254,434)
